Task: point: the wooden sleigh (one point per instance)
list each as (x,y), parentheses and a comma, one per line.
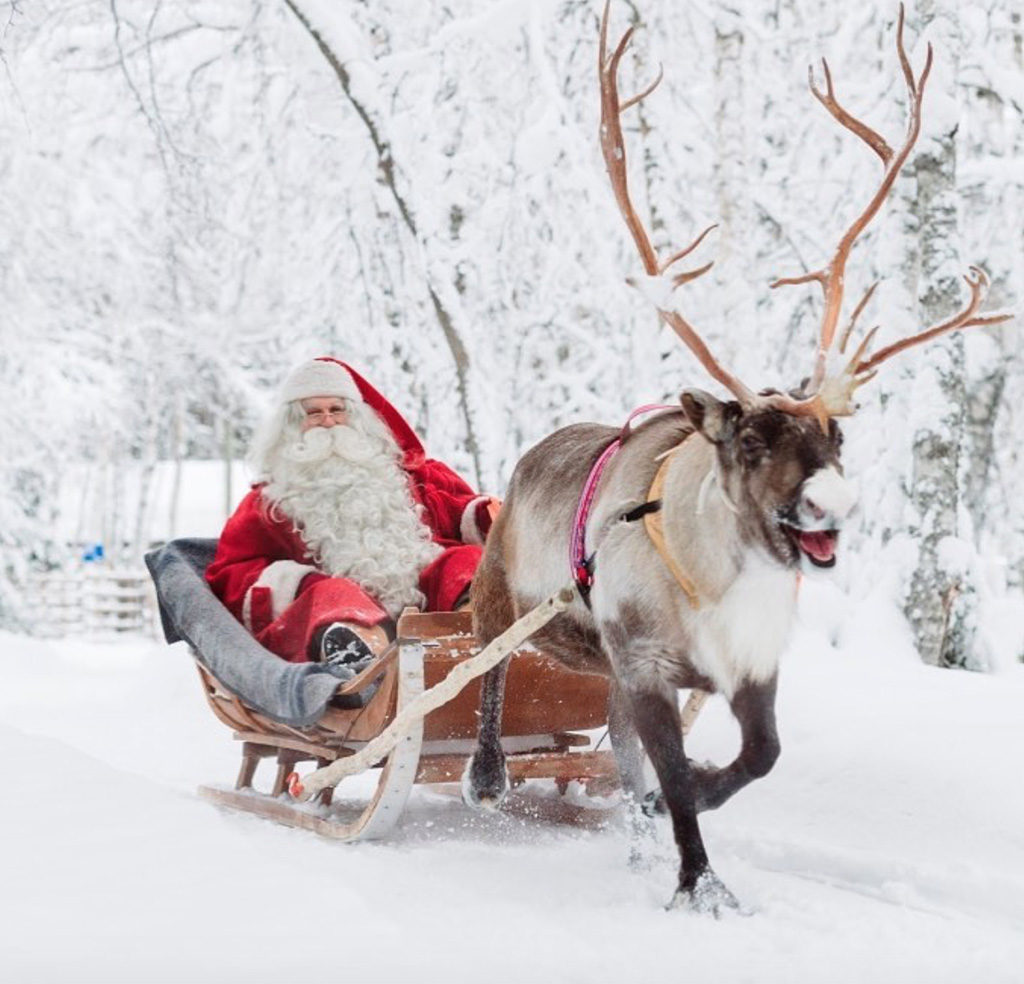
(548,709)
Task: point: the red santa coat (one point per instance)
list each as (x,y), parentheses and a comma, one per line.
(264,574)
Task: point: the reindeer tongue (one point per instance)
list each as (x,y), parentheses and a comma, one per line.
(821,545)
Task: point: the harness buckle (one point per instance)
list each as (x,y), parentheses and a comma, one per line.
(583,574)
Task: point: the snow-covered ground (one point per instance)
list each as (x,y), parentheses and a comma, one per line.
(887,845)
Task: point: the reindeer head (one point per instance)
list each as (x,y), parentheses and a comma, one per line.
(781,475)
(835,377)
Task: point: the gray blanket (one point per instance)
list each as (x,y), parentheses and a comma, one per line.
(293,693)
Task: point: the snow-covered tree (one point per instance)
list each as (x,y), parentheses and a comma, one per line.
(201,193)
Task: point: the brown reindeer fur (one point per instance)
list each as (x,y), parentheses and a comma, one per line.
(738,519)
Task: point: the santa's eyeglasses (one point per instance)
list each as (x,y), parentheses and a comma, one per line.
(320,416)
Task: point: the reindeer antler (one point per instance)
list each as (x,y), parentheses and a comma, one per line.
(614,151)
(977,281)
(832,396)
(828,395)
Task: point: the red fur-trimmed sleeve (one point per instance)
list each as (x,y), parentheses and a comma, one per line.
(455,512)
(259,564)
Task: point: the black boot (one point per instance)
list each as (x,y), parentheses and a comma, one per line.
(340,646)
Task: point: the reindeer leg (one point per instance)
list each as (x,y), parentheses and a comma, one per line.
(656,716)
(753,704)
(485,781)
(629,753)
(629,757)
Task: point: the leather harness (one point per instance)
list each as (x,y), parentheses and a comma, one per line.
(582,566)
(652,523)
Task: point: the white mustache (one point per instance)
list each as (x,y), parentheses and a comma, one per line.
(320,443)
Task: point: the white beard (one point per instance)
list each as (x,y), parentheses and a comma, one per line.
(349,498)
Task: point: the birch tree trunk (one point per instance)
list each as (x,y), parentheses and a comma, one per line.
(140,535)
(983,403)
(729,131)
(941,602)
(734,248)
(178,454)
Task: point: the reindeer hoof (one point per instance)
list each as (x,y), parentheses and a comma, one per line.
(708,896)
(653,804)
(485,783)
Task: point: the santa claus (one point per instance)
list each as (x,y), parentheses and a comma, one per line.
(348,523)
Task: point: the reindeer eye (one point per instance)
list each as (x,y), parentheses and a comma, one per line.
(752,445)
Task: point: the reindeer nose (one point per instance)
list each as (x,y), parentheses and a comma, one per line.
(815,510)
(827,497)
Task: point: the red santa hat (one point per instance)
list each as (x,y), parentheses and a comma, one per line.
(319,377)
(327,376)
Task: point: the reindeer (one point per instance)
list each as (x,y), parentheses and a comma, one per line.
(697,528)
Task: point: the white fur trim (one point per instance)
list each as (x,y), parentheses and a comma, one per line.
(283,577)
(318,378)
(469,529)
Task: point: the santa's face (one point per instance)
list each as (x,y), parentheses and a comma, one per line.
(356,441)
(343,486)
(323,411)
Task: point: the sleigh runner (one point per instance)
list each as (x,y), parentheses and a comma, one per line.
(543,730)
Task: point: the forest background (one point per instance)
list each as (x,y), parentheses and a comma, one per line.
(197,194)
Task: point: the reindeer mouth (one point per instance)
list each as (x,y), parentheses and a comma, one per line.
(818,546)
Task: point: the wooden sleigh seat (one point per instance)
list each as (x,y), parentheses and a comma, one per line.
(547,709)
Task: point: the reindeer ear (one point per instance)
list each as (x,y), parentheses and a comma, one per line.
(713,418)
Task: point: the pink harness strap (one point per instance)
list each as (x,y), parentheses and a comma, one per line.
(580,566)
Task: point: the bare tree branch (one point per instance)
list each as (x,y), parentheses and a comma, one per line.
(386,165)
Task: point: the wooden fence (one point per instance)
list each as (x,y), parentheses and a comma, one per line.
(92,600)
